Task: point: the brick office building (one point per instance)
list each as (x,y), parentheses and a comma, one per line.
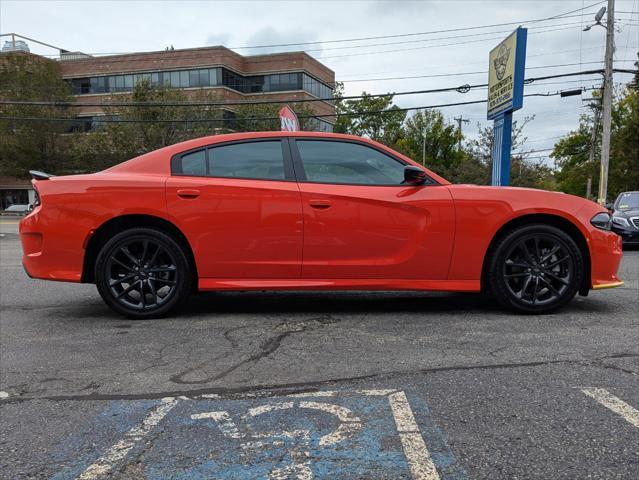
(233,77)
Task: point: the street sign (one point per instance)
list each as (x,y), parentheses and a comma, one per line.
(289,120)
(506,69)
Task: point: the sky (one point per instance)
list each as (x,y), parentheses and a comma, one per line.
(445,59)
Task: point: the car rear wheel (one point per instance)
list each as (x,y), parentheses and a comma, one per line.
(535,269)
(143,273)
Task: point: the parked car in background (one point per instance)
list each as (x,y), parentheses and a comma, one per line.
(18,208)
(309,211)
(625,217)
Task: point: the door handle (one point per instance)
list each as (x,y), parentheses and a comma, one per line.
(188,193)
(320,204)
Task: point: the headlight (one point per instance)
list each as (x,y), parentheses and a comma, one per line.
(602,220)
(623,222)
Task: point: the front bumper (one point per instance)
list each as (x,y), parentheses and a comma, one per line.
(629,235)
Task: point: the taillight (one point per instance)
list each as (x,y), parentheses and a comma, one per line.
(36,199)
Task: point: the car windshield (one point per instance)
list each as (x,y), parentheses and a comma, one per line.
(628,201)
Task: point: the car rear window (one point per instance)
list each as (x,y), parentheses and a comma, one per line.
(262,160)
(259,160)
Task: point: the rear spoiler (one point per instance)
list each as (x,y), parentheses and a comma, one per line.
(37,175)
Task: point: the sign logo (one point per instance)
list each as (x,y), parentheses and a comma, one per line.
(288,120)
(501,61)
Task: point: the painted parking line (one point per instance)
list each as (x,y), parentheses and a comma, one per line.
(117,452)
(615,404)
(421,464)
(381,433)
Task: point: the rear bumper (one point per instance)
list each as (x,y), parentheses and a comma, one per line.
(48,255)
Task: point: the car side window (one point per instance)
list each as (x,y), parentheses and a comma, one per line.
(194,163)
(258,160)
(347,162)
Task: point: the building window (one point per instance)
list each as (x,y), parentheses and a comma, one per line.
(206,77)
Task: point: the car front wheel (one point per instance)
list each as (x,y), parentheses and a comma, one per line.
(535,269)
(142,273)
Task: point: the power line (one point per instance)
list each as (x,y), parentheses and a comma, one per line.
(461,89)
(403,35)
(215,120)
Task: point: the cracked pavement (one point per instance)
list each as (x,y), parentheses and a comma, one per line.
(503,389)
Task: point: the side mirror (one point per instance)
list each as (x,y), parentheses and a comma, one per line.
(414,175)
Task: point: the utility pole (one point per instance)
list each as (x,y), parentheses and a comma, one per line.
(593,140)
(607,103)
(460,119)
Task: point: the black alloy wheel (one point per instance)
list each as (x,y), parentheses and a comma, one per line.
(535,269)
(142,273)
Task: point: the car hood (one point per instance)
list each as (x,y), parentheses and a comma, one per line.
(627,213)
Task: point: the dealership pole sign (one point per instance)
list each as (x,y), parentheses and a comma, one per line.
(507,64)
(288,120)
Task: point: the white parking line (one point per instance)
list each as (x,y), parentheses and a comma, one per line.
(419,460)
(117,452)
(608,400)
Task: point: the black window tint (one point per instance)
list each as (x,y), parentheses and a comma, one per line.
(194,163)
(261,160)
(343,162)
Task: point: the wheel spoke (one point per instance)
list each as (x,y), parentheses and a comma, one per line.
(551,287)
(525,286)
(554,250)
(164,280)
(123,279)
(535,290)
(557,262)
(510,263)
(162,269)
(155,255)
(127,290)
(516,275)
(559,279)
(122,264)
(526,251)
(537,250)
(154,291)
(130,256)
(142,295)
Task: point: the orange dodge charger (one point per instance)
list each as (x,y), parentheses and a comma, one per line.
(308,211)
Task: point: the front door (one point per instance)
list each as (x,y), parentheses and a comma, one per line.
(361,222)
(240,209)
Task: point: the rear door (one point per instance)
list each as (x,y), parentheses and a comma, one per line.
(360,221)
(240,208)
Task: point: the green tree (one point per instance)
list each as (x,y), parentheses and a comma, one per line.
(147,125)
(572,151)
(29,144)
(362,117)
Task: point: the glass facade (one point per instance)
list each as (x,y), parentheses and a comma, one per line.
(205,77)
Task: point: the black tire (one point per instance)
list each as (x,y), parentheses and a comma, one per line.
(143,273)
(535,269)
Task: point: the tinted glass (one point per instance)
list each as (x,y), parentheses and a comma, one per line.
(628,201)
(342,162)
(194,163)
(261,160)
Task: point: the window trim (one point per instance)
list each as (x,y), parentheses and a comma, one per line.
(289,173)
(300,172)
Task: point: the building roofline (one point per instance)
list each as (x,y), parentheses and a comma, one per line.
(213,48)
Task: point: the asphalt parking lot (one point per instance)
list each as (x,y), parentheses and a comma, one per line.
(316,385)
